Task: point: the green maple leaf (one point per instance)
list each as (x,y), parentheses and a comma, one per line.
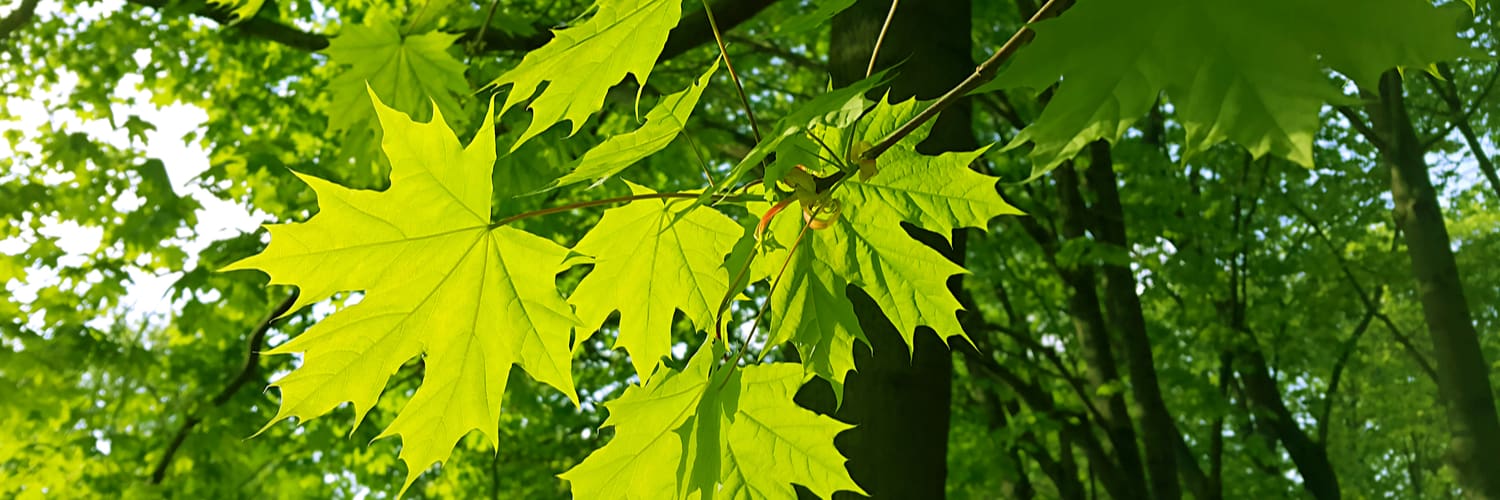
(439,282)
(734,433)
(829,109)
(581,63)
(1247,72)
(663,123)
(240,9)
(408,72)
(867,247)
(654,257)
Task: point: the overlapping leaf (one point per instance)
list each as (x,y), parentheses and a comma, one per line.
(654,257)
(829,109)
(239,9)
(410,72)
(1247,72)
(732,434)
(581,63)
(663,123)
(439,282)
(867,247)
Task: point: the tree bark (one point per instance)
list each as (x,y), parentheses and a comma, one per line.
(1463,375)
(1311,459)
(899,399)
(1093,333)
(1124,309)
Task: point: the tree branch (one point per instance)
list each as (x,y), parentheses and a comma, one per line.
(1346,352)
(693,30)
(1370,304)
(1448,92)
(247,372)
(983,73)
(1359,125)
(17,18)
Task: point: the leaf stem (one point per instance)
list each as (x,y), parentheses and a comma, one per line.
(982,74)
(761,314)
(489,17)
(880,40)
(702,163)
(594,203)
(713,25)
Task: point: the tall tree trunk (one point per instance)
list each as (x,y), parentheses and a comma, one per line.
(1124,308)
(1463,375)
(899,399)
(1311,459)
(1093,333)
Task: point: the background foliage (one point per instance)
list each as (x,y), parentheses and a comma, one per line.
(1237,293)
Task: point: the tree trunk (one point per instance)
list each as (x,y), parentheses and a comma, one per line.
(898,399)
(1463,375)
(1318,476)
(1124,309)
(1093,334)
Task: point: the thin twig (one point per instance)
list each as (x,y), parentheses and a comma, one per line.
(982,74)
(247,371)
(875,52)
(489,16)
(595,203)
(702,163)
(724,52)
(1370,304)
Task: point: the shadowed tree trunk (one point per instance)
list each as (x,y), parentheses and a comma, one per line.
(1124,308)
(1463,375)
(898,399)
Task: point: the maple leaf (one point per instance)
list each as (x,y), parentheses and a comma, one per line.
(439,282)
(408,72)
(1247,72)
(240,10)
(867,247)
(734,432)
(654,257)
(829,109)
(581,63)
(663,123)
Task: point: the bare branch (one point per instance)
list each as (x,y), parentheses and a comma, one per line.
(247,372)
(17,18)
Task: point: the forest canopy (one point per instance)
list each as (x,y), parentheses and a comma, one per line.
(749,249)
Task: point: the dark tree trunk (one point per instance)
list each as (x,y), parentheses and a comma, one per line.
(899,400)
(1124,308)
(1311,459)
(1093,334)
(1463,375)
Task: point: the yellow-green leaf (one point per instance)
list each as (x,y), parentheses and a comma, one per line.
(411,73)
(439,282)
(581,63)
(867,247)
(732,433)
(653,258)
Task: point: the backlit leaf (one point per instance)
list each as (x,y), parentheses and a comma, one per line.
(1247,72)
(581,63)
(733,433)
(439,283)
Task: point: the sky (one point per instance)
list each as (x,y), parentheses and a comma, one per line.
(218,219)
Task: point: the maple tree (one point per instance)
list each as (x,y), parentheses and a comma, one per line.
(720,305)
